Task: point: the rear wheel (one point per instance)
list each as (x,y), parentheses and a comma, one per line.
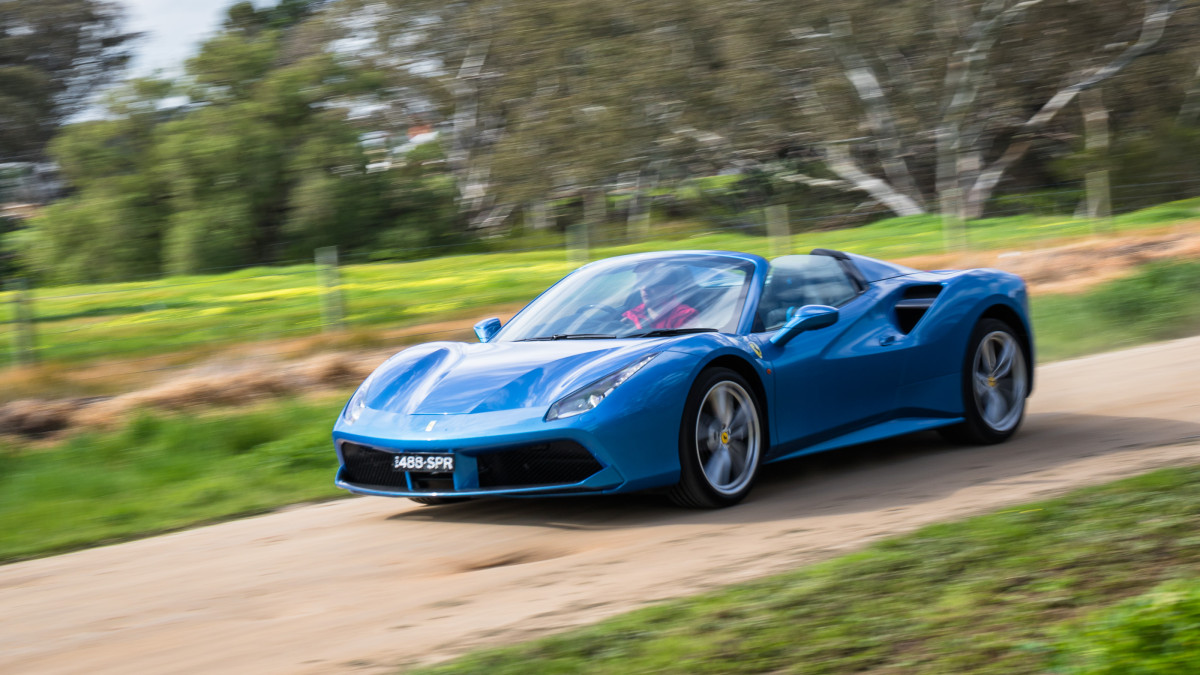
(721,441)
(437,501)
(995,384)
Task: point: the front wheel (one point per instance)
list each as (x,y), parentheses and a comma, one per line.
(995,384)
(721,441)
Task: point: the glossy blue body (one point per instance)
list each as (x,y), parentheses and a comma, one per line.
(867,376)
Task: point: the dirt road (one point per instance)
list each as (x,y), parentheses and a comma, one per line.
(368,585)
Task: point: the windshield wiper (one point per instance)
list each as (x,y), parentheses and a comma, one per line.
(569,336)
(666,332)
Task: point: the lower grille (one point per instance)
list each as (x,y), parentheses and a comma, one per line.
(553,463)
(368,466)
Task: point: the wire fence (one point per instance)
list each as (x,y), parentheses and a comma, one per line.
(140,323)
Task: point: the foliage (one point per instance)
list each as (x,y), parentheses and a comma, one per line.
(263,164)
(1156,633)
(1159,302)
(160,472)
(927,100)
(53,55)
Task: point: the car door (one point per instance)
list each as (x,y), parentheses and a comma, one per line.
(831,380)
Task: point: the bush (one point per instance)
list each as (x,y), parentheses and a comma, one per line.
(1157,633)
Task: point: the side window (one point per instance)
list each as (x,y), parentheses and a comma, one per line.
(798,280)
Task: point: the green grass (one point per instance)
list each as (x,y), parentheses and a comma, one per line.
(993,594)
(163,472)
(168,471)
(1160,301)
(78,324)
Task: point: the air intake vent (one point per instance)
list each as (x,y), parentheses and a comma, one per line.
(553,463)
(913,303)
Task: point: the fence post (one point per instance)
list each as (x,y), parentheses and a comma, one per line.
(332,309)
(1095,121)
(579,234)
(778,230)
(24,336)
(954,226)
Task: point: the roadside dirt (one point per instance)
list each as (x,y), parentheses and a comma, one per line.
(324,366)
(370,585)
(1076,267)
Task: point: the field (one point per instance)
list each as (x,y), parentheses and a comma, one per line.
(193,317)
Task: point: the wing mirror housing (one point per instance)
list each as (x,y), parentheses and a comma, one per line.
(486,330)
(808,317)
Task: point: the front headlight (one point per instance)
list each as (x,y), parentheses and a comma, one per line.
(584,399)
(358,402)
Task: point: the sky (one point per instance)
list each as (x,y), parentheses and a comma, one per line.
(173,29)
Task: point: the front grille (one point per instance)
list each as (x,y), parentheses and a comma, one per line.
(368,466)
(553,463)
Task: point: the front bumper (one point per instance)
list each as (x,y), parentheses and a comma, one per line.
(555,467)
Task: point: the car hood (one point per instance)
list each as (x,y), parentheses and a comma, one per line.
(458,378)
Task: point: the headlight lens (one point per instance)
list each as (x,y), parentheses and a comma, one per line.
(358,402)
(584,399)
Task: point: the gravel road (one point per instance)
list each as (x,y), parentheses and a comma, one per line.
(370,585)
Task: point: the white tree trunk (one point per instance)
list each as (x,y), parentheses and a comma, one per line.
(1153,26)
(840,162)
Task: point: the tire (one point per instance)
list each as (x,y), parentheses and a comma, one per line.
(721,419)
(995,384)
(438,501)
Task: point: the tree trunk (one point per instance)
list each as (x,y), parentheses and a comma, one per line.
(839,161)
(1153,26)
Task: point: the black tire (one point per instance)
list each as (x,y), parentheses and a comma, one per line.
(719,449)
(1008,390)
(438,501)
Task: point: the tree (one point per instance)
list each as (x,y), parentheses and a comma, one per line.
(260,166)
(54,55)
(110,228)
(917,102)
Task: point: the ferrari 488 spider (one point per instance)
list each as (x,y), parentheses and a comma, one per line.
(689,371)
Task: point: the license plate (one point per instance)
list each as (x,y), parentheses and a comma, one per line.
(423,462)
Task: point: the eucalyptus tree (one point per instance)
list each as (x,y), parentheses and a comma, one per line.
(920,103)
(54,55)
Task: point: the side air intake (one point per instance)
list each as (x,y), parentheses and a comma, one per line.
(913,303)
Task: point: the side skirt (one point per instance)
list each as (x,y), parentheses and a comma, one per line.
(898,427)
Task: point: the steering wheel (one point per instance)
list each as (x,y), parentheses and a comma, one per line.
(611,313)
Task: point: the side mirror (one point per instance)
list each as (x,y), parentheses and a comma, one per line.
(809,317)
(486,330)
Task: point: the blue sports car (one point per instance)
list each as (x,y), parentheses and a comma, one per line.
(688,371)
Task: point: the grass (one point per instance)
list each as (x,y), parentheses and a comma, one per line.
(161,471)
(80,324)
(993,594)
(1160,301)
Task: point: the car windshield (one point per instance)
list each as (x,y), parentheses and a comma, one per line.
(638,297)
